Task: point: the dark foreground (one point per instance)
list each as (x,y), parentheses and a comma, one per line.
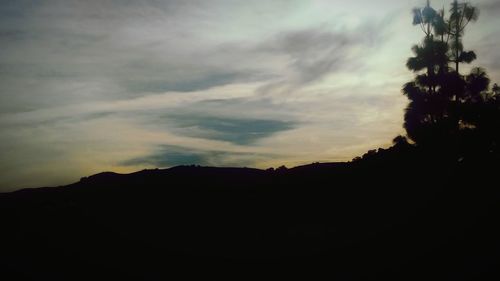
(400,214)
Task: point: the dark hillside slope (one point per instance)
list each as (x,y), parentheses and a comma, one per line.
(399,213)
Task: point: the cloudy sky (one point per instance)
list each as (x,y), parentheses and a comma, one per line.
(110,85)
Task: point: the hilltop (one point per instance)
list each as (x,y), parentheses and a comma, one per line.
(397,212)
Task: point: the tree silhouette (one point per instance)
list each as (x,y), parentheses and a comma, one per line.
(461,15)
(425,114)
(448,110)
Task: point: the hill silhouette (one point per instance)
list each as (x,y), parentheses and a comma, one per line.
(401,212)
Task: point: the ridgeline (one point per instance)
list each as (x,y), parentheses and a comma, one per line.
(401,212)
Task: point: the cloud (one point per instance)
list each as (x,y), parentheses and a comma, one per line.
(205,81)
(490,6)
(314,53)
(235,130)
(65,52)
(70,51)
(169,156)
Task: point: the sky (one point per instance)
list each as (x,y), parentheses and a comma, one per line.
(91,86)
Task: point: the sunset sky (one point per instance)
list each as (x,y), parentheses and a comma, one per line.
(92,86)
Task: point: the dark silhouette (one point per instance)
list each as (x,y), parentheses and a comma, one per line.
(425,208)
(400,212)
(449,111)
